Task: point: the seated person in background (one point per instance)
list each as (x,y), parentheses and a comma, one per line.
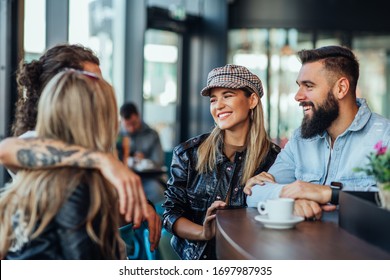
(337,133)
(145,149)
(42,153)
(66,213)
(209,172)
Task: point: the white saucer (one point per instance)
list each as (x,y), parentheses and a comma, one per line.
(286,224)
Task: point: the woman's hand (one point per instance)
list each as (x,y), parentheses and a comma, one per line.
(209,221)
(258,180)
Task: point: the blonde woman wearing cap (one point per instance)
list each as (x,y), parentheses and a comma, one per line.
(209,171)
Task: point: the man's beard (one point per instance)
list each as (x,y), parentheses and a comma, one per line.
(321,118)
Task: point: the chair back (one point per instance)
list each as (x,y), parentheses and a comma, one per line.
(137,243)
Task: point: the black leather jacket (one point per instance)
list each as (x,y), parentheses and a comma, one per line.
(65,237)
(189,193)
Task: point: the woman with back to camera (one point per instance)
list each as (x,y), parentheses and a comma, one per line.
(209,172)
(48,153)
(66,213)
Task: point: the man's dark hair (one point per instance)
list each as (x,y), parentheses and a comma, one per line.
(128,109)
(337,59)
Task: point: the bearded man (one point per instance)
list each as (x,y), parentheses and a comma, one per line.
(338,131)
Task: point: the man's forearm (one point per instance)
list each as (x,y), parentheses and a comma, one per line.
(35,153)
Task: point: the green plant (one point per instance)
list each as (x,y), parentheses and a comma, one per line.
(379,164)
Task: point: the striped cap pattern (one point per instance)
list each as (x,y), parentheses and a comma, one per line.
(232,76)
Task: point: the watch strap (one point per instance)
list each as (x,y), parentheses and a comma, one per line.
(335,188)
(334,199)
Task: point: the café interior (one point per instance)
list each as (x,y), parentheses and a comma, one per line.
(157,54)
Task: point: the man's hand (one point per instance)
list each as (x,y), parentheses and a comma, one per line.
(311,209)
(258,180)
(132,201)
(307,209)
(154,225)
(303,190)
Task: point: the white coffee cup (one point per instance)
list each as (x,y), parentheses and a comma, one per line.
(279,209)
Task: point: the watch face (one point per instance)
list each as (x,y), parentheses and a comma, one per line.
(336,185)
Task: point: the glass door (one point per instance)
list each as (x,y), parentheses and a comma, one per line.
(373,53)
(271,54)
(160,86)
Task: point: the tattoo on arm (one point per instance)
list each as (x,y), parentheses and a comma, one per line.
(33,158)
(89,163)
(85,161)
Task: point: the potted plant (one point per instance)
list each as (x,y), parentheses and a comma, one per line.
(379,167)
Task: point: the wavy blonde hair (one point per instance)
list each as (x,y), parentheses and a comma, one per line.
(257,148)
(78,109)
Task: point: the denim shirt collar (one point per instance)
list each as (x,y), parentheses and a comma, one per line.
(362,116)
(360,120)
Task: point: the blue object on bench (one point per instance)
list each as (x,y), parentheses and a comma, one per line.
(137,242)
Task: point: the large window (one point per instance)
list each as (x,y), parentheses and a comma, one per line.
(373,53)
(160,94)
(100,25)
(271,54)
(34,28)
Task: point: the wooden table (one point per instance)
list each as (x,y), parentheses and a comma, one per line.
(151,173)
(240,236)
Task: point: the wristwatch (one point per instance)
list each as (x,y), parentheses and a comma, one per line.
(336,188)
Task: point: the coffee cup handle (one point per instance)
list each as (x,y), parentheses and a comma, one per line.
(261,207)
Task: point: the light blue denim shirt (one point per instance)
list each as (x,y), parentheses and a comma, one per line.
(312,160)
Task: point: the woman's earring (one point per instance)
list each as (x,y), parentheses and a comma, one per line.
(252,113)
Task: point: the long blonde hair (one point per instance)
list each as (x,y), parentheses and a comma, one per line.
(257,148)
(77,108)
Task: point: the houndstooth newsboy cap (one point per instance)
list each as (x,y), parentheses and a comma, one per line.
(232,76)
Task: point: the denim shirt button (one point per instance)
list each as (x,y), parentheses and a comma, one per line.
(236,189)
(218,197)
(228,168)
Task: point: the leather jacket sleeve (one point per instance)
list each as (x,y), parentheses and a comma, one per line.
(176,192)
(74,240)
